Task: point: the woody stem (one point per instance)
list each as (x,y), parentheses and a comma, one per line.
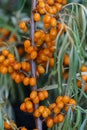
(33,64)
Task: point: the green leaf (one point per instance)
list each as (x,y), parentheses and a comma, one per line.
(84,25)
(68,90)
(1,122)
(60,62)
(54,86)
(16,54)
(83,124)
(68,120)
(78,119)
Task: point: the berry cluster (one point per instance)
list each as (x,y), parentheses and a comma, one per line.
(83,76)
(11,126)
(23,27)
(35,98)
(43,51)
(17,70)
(52,114)
(7,37)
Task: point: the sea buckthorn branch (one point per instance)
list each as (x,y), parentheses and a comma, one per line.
(33,65)
(52,113)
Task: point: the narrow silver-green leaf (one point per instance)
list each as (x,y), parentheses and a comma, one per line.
(1,122)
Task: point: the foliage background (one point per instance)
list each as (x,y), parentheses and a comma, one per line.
(11,12)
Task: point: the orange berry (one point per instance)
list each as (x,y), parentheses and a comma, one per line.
(72,102)
(33,94)
(32,81)
(49,122)
(66,60)
(17,78)
(23,107)
(51,62)
(30,49)
(5,52)
(47,38)
(84,77)
(22,25)
(46,51)
(66,99)
(46,25)
(39,43)
(45,114)
(17,66)
(3,69)
(48,110)
(37,113)
(36,100)
(54,9)
(26,81)
(41,95)
(59,6)
(79,84)
(10,69)
(53,33)
(28,67)
(84,68)
(60,118)
(66,108)
(11,61)
(58,99)
(85,89)
(52,106)
(36,17)
(60,104)
(50,2)
(47,19)
(25,29)
(41,10)
(40,69)
(37,35)
(33,55)
(6,62)
(56,110)
(53,22)
(10,55)
(11,58)
(23,128)
(43,57)
(52,49)
(4,32)
(59,1)
(27,43)
(41,109)
(45,92)
(13,74)
(64,2)
(23,65)
(26,99)
(30,110)
(2,58)
(55,119)
(61,27)
(41,4)
(7,126)
(28,105)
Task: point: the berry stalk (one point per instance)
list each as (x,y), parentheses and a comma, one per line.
(33,64)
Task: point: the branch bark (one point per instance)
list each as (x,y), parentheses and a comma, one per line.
(33,64)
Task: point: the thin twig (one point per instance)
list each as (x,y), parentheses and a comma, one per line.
(33,64)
